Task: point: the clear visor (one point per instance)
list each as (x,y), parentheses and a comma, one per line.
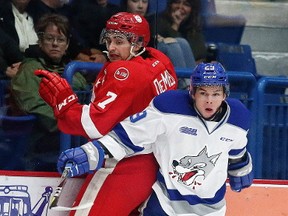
(131,37)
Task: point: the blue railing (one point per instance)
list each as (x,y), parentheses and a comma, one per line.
(242,87)
(266,98)
(271,128)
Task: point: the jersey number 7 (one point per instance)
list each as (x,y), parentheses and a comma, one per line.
(111,97)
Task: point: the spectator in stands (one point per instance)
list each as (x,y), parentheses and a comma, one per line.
(177,49)
(89,18)
(126,84)
(10,56)
(182,19)
(135,6)
(77,49)
(17,22)
(54,34)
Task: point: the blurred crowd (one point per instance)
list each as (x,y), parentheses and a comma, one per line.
(48,34)
(176,31)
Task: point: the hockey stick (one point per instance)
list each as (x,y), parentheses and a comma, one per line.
(63,179)
(54,200)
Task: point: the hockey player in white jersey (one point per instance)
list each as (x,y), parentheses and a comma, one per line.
(198,137)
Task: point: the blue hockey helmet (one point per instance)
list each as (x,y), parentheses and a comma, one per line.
(210,74)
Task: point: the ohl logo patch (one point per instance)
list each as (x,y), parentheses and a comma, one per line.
(121,73)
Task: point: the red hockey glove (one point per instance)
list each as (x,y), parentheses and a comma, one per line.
(56,91)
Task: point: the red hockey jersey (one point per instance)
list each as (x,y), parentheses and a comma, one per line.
(121,89)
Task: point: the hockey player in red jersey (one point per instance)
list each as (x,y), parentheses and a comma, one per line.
(127,83)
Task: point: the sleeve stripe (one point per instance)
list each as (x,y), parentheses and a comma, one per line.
(123,136)
(88,124)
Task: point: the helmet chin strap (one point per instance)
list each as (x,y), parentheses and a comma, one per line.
(107,53)
(133,54)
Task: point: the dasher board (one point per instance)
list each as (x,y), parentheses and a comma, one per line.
(22,191)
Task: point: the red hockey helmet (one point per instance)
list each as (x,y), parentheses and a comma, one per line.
(135,27)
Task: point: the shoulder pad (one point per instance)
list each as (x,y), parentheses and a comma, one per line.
(174,101)
(239,115)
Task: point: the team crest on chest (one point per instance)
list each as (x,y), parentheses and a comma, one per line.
(121,73)
(192,170)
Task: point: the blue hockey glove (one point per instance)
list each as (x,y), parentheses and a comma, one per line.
(87,158)
(240,173)
(239,183)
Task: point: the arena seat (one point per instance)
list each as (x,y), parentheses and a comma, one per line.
(14,133)
(156,6)
(218,28)
(236,57)
(223,29)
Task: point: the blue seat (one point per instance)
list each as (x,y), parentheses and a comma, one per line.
(271,137)
(14,134)
(218,28)
(67,140)
(236,57)
(223,29)
(156,6)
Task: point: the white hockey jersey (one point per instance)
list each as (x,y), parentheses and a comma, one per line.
(192,153)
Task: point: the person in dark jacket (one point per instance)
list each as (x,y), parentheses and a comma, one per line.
(18,23)
(78,49)
(53,32)
(10,56)
(181,19)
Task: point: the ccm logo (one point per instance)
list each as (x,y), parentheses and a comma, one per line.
(226,139)
(66,101)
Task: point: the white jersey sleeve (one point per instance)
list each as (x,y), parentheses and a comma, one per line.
(135,134)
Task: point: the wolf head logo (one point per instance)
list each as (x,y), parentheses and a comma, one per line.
(191,170)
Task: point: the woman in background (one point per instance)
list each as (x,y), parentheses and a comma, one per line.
(53,32)
(181,19)
(176,48)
